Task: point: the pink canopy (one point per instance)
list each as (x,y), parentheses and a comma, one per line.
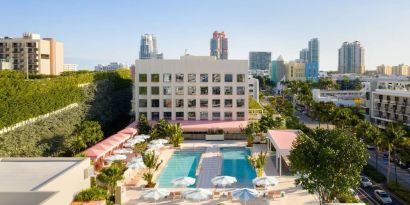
(283,138)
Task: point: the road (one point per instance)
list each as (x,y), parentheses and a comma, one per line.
(309,122)
(367,195)
(403,176)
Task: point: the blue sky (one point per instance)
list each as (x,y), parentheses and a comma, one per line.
(100,31)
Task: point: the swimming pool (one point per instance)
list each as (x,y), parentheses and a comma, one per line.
(236,164)
(183,163)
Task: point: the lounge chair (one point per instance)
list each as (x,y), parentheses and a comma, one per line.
(230,196)
(273,194)
(216,195)
(176,195)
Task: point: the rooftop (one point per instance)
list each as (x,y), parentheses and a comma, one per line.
(283,138)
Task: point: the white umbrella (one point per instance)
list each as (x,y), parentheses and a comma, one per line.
(136,159)
(183,181)
(155,194)
(159,141)
(245,194)
(223,180)
(197,194)
(123,151)
(136,165)
(155,146)
(116,157)
(265,181)
(139,139)
(143,136)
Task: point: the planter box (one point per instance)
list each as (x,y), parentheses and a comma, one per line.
(214,137)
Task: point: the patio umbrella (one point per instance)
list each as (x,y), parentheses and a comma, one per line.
(123,151)
(183,181)
(136,159)
(143,136)
(245,194)
(265,181)
(116,157)
(223,180)
(155,146)
(159,141)
(136,165)
(197,194)
(155,194)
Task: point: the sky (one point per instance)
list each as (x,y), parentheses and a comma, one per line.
(103,31)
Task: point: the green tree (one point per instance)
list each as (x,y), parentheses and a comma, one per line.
(139,148)
(371,135)
(250,130)
(85,135)
(162,128)
(327,162)
(175,134)
(395,136)
(143,125)
(91,194)
(258,162)
(110,175)
(151,161)
(266,122)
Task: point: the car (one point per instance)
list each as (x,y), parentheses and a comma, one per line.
(365,182)
(408,169)
(382,196)
(354,194)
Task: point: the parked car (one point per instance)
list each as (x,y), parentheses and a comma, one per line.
(365,182)
(354,194)
(382,196)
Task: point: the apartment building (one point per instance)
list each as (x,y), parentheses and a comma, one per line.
(32,54)
(401,69)
(384,69)
(254,88)
(70,67)
(191,88)
(295,71)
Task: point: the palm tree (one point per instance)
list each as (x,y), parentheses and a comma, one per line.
(258,162)
(342,117)
(109,176)
(251,129)
(175,134)
(395,136)
(151,161)
(371,135)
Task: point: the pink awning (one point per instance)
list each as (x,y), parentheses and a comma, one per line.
(130,131)
(283,138)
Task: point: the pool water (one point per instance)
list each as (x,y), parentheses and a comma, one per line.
(183,163)
(235,163)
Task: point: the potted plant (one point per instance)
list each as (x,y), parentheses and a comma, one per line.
(258,162)
(91,195)
(214,134)
(175,134)
(151,161)
(250,130)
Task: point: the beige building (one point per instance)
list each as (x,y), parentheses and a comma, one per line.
(384,69)
(5,64)
(45,181)
(33,54)
(295,71)
(401,70)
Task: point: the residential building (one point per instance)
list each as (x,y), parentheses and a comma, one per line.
(314,51)
(5,64)
(340,97)
(148,47)
(295,71)
(70,67)
(351,58)
(111,66)
(191,88)
(401,70)
(304,55)
(310,56)
(384,69)
(219,45)
(311,71)
(278,70)
(33,54)
(253,88)
(259,60)
(45,181)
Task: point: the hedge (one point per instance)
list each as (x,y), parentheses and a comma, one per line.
(92,194)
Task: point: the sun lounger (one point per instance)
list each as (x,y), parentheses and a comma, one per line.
(176,195)
(216,195)
(229,195)
(273,194)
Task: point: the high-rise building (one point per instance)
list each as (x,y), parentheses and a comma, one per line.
(384,69)
(259,60)
(401,69)
(148,47)
(33,54)
(304,55)
(278,70)
(219,45)
(110,67)
(310,56)
(314,51)
(351,58)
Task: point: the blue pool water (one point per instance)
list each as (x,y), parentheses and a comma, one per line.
(236,164)
(183,163)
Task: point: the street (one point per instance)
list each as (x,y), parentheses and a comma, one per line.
(367,195)
(309,122)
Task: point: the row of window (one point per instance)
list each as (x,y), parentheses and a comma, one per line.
(192,115)
(179,90)
(191,103)
(191,77)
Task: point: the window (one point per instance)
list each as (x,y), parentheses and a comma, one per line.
(154,115)
(204,78)
(216,90)
(179,77)
(216,78)
(228,102)
(240,115)
(191,102)
(191,90)
(203,115)
(240,102)
(191,116)
(179,90)
(240,90)
(142,90)
(228,115)
(155,78)
(142,103)
(168,103)
(216,115)
(228,78)
(142,77)
(155,90)
(179,103)
(216,103)
(191,78)
(167,77)
(168,115)
(240,78)
(179,115)
(204,90)
(167,90)
(155,103)
(203,103)
(143,113)
(228,90)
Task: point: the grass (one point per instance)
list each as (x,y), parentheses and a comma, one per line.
(253,104)
(371,172)
(399,190)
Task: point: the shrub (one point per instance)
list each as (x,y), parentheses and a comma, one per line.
(347,198)
(401,191)
(92,194)
(371,172)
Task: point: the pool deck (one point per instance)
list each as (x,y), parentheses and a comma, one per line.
(294,194)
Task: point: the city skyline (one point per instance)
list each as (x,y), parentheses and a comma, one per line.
(259,29)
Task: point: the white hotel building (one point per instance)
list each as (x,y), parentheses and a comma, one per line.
(191,88)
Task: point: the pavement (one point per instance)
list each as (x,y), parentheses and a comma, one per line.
(311,123)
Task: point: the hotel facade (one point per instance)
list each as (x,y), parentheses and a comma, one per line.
(192,88)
